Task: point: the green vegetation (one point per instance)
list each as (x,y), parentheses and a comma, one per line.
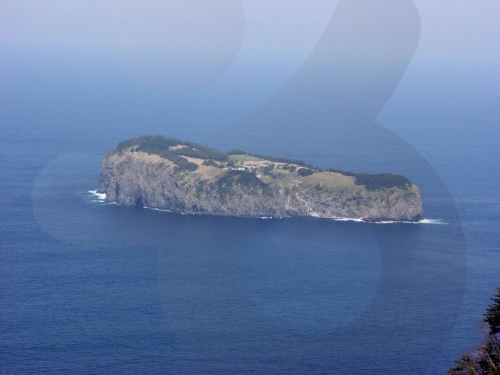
(267,169)
(485,359)
(160,145)
(303,172)
(173,149)
(381,180)
(224,184)
(242,178)
(242,157)
(210,163)
(176,150)
(376,181)
(275,159)
(149,142)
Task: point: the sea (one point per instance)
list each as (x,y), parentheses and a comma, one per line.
(92,287)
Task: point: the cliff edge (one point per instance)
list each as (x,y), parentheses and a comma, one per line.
(186,177)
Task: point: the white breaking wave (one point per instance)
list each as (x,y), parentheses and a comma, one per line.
(100,196)
(157,209)
(423,221)
(433,221)
(347,219)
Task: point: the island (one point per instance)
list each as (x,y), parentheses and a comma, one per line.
(190,178)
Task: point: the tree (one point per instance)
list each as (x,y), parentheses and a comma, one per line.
(305,172)
(485,359)
(492,315)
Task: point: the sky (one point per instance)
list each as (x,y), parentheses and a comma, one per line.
(237,49)
(452,29)
(169,34)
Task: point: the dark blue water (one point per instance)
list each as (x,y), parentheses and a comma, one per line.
(87,287)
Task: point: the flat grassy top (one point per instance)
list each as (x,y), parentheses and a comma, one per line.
(332,180)
(190,157)
(279,173)
(243,158)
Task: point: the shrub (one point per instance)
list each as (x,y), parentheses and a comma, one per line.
(382,180)
(303,172)
(485,360)
(242,178)
(210,163)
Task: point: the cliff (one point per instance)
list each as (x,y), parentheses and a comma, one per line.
(185,177)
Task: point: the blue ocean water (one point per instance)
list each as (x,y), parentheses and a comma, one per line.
(88,287)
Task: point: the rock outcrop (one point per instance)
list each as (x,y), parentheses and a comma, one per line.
(184,177)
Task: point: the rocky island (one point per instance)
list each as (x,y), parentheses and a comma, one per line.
(189,178)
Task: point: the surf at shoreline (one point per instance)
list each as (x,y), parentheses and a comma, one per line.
(101,198)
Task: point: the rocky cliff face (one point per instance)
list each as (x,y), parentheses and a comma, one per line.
(248,187)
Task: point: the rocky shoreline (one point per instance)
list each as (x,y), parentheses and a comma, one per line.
(245,186)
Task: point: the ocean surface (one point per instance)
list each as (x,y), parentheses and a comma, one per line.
(88,287)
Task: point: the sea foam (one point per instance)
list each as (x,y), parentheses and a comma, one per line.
(100,197)
(423,221)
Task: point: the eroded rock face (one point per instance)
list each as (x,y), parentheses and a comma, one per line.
(248,188)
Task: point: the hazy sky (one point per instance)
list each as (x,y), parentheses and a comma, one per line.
(231,37)
(448,27)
